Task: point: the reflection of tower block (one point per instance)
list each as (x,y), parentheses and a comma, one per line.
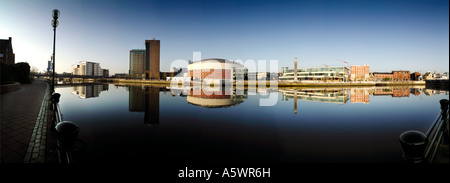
(295,101)
(151,115)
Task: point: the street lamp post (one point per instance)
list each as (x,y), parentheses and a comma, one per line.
(55,15)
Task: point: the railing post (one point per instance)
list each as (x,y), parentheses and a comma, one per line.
(413,145)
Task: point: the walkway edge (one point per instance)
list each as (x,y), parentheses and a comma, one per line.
(36,148)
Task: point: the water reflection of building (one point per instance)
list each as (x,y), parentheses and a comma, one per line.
(429,92)
(216,97)
(359,95)
(145,99)
(317,95)
(89,91)
(394,92)
(416,91)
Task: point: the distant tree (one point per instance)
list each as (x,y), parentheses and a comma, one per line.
(34,70)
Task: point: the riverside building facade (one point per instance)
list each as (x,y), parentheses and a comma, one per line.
(86,68)
(359,73)
(339,73)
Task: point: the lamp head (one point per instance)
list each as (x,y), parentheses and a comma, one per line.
(55,13)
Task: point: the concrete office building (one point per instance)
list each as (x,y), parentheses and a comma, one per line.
(86,68)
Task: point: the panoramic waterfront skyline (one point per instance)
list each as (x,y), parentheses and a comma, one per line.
(387,35)
(306,125)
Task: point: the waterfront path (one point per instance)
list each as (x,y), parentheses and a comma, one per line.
(23,116)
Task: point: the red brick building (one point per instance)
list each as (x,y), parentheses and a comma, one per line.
(400,76)
(359,73)
(380,76)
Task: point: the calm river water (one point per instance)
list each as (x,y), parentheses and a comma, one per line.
(308,125)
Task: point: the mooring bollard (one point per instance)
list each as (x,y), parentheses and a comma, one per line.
(413,145)
(67,133)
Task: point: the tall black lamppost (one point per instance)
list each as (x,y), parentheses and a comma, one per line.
(55,15)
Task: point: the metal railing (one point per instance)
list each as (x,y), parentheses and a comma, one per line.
(56,110)
(66,132)
(423,148)
(436,133)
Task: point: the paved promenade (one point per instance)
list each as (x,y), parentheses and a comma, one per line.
(23,116)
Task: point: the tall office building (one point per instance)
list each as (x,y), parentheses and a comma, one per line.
(145,63)
(152,59)
(137,63)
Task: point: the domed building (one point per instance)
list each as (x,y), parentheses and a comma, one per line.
(216,70)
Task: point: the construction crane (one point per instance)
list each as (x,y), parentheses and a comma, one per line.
(345,62)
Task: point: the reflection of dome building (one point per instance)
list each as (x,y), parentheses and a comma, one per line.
(215,99)
(216,70)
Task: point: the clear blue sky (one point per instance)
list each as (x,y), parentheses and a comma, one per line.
(387,35)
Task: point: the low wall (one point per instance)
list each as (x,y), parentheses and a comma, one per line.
(437,84)
(9,87)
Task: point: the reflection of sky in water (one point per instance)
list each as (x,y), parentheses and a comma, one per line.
(319,132)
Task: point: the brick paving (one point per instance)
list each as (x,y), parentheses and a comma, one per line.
(19,112)
(36,147)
